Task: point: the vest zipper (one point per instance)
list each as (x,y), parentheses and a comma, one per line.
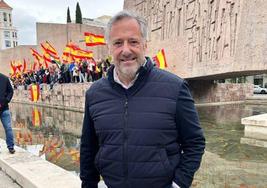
(125,144)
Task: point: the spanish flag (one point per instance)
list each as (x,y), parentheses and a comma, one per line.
(49,51)
(47,58)
(36,117)
(93,40)
(34,92)
(36,55)
(19,66)
(160,59)
(13,68)
(24,70)
(84,54)
(72,51)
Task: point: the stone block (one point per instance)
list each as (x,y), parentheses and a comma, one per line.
(255,126)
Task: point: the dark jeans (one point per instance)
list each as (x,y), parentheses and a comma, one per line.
(6,121)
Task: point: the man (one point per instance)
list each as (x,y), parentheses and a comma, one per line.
(6,94)
(140,129)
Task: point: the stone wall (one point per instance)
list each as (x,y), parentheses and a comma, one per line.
(63,120)
(207,37)
(62,96)
(71,96)
(14,54)
(209,92)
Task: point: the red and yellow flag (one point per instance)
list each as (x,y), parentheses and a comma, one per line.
(160,59)
(24,70)
(38,60)
(13,68)
(72,51)
(34,92)
(46,55)
(36,55)
(17,67)
(49,51)
(36,117)
(93,40)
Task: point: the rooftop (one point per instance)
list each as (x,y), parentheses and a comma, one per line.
(4,5)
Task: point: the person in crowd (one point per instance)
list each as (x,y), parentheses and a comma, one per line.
(71,67)
(76,73)
(140,128)
(83,71)
(92,68)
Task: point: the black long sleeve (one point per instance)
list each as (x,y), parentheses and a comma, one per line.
(6,92)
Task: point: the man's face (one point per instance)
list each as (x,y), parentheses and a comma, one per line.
(127,47)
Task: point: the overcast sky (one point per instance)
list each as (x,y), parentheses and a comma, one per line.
(27,12)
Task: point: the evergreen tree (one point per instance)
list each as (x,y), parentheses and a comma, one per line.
(78,14)
(68,16)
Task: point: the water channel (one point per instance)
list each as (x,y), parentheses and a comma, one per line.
(54,135)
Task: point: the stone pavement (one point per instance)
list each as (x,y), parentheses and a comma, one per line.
(23,169)
(31,171)
(6,181)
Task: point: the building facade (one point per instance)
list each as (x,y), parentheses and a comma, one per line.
(207,39)
(8,33)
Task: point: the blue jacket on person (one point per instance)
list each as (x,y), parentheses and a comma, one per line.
(6,92)
(146,136)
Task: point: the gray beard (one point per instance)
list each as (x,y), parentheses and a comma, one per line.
(128,76)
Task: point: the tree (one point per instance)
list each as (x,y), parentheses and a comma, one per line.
(68,16)
(78,14)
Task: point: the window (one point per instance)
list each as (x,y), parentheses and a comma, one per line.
(5,17)
(15,43)
(8,43)
(14,34)
(7,34)
(9,18)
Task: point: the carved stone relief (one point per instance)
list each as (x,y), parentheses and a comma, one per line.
(210,26)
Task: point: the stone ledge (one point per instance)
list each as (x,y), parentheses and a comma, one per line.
(254,142)
(257,120)
(31,171)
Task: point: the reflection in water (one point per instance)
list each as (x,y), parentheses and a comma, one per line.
(49,133)
(55,135)
(223,131)
(227,162)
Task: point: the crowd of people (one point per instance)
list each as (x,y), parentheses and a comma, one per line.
(87,70)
